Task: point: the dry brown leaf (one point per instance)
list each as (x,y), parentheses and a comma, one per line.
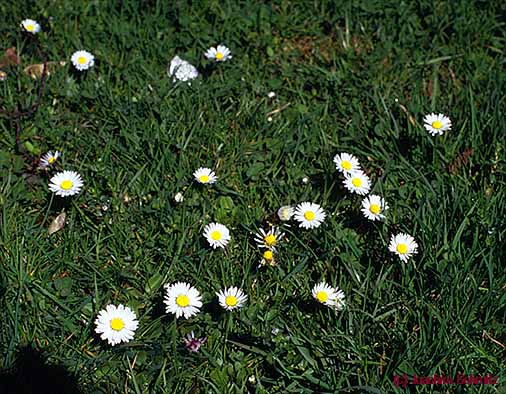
(57,224)
(35,70)
(9,57)
(10,53)
(460,160)
(430,88)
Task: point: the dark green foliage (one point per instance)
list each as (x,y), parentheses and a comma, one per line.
(338,69)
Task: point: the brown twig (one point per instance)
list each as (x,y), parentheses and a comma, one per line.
(278,109)
(19,145)
(488,336)
(35,106)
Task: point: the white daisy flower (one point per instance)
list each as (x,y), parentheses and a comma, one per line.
(181,70)
(116,324)
(330,296)
(309,215)
(268,258)
(49,159)
(30,26)
(232,298)
(285,213)
(217,235)
(220,53)
(82,60)
(437,124)
(182,299)
(268,239)
(346,163)
(175,63)
(357,182)
(403,245)
(373,207)
(66,183)
(205,175)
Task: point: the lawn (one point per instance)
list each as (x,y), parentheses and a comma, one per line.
(347,76)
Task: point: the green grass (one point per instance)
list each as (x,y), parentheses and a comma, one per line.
(338,70)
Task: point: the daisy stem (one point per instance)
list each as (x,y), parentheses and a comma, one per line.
(48,209)
(83,214)
(174,335)
(433,149)
(229,325)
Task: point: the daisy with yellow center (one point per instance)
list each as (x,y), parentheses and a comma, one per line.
(285,213)
(82,60)
(66,183)
(268,258)
(219,54)
(373,207)
(205,175)
(437,124)
(30,26)
(357,182)
(403,245)
(49,159)
(309,215)
(217,235)
(116,324)
(346,163)
(232,298)
(268,239)
(182,299)
(329,296)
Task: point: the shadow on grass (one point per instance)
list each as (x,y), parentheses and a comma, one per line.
(32,374)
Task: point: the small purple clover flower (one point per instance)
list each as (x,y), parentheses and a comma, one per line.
(193,344)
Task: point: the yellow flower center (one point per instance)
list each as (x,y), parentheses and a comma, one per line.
(268,255)
(309,215)
(357,182)
(216,235)
(30,27)
(219,56)
(375,208)
(322,296)
(346,165)
(182,300)
(117,324)
(204,178)
(270,240)
(81,60)
(402,248)
(51,160)
(231,300)
(437,124)
(66,184)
